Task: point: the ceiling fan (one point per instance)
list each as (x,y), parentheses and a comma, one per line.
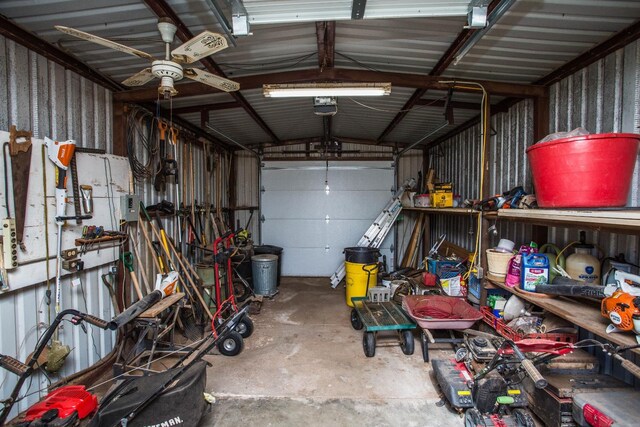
(170,69)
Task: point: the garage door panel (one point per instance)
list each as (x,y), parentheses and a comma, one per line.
(296,180)
(366,179)
(361,204)
(295,233)
(295,204)
(295,207)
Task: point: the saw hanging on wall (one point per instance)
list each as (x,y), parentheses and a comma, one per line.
(169,70)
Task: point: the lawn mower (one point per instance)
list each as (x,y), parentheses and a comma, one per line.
(493,395)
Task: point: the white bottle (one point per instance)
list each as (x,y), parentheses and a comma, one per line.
(583,266)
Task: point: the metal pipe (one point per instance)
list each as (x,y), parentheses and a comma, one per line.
(255,153)
(442,126)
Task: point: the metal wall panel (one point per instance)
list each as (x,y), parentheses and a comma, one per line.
(603,97)
(408,167)
(43,97)
(458,160)
(248,191)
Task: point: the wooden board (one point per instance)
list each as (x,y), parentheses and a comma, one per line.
(625,220)
(449,211)
(109,177)
(161,305)
(586,316)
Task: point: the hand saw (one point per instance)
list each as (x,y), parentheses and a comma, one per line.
(20,152)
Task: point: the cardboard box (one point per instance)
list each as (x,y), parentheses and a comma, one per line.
(442,200)
(442,195)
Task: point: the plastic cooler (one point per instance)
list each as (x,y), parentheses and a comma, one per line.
(586,171)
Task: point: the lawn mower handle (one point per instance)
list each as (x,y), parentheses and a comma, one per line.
(528,366)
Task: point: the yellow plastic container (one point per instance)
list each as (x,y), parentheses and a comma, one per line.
(356,279)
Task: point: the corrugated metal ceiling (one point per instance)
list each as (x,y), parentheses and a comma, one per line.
(532,39)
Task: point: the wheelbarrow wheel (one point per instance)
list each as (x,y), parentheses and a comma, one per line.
(355,320)
(245,327)
(232,345)
(407,343)
(369,344)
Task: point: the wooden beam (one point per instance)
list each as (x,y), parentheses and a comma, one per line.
(207,107)
(119,129)
(162,9)
(12,31)
(326,40)
(336,75)
(603,49)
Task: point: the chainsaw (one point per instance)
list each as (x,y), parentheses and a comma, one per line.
(621,304)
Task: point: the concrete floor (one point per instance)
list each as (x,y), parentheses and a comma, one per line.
(304,365)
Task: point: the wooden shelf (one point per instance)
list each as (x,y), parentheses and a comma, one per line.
(448,211)
(584,315)
(624,220)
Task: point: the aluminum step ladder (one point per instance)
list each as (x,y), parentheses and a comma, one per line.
(378,231)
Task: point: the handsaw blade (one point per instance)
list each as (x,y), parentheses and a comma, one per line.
(201,46)
(20,167)
(211,79)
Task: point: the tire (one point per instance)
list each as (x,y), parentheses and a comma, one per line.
(232,345)
(407,343)
(245,327)
(356,323)
(473,418)
(240,291)
(369,344)
(523,418)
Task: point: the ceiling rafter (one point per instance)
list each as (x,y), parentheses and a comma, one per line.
(326,39)
(419,81)
(440,67)
(27,39)
(207,107)
(162,10)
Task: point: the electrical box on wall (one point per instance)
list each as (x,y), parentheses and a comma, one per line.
(9,243)
(129,207)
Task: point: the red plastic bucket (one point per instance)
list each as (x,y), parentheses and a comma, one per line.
(587,171)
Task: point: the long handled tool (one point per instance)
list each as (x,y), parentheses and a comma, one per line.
(60,153)
(127,260)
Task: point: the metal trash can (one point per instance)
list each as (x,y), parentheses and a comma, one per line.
(265,274)
(271,250)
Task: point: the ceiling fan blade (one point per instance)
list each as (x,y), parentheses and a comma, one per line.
(201,46)
(104,42)
(211,79)
(139,78)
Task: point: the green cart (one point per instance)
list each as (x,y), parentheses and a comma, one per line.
(381,316)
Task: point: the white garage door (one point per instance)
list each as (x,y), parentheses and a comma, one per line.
(314,227)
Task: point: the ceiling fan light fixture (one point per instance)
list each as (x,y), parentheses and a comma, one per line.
(325,89)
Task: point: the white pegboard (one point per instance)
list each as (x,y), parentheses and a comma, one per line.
(109,176)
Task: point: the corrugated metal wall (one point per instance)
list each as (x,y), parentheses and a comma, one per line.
(43,97)
(458,159)
(408,167)
(603,97)
(248,192)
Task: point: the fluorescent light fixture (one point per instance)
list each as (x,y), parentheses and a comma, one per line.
(325,89)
